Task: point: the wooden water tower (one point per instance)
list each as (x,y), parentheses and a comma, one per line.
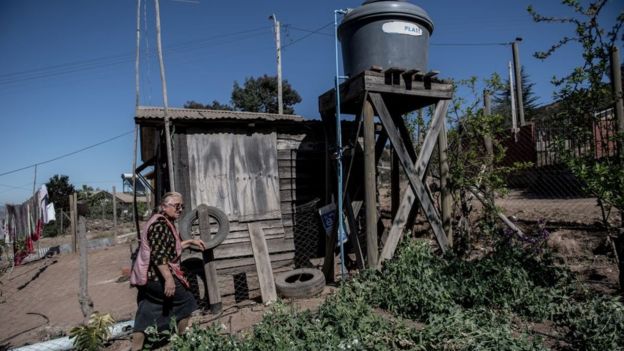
(390,92)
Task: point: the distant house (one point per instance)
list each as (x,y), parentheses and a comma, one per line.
(102,201)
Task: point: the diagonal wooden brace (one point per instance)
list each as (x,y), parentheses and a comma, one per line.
(402,215)
(415,172)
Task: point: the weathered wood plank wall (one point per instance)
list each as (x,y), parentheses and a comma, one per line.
(235,172)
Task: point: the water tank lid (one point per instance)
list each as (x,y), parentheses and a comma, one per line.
(389,8)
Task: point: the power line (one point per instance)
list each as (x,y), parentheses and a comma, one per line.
(81,65)
(67,154)
(290,26)
(13,187)
(316,31)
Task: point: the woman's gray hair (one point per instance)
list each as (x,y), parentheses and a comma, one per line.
(169,195)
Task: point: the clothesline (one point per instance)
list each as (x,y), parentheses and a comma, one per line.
(24,223)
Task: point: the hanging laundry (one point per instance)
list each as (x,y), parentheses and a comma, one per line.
(51,213)
(4,232)
(44,199)
(19,218)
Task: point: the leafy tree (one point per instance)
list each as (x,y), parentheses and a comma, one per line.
(502,98)
(472,167)
(85,192)
(59,189)
(582,94)
(260,95)
(216,105)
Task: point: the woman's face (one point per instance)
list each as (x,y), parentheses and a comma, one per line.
(173,207)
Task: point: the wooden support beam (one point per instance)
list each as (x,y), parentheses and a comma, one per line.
(415,91)
(210,268)
(370,184)
(412,171)
(395,184)
(353,230)
(329,269)
(446,200)
(500,215)
(263,263)
(402,218)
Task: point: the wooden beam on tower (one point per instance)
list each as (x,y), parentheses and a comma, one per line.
(412,175)
(401,218)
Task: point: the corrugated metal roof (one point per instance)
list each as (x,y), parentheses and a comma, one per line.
(147,112)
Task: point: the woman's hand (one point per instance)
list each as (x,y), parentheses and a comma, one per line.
(197,243)
(169,287)
(200,243)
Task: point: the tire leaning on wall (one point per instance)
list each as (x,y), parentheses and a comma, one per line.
(300,283)
(214,212)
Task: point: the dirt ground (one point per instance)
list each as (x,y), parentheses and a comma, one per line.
(39,300)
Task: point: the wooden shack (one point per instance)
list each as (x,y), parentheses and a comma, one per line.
(256,167)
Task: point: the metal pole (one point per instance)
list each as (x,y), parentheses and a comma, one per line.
(514,122)
(616,81)
(165,100)
(278,46)
(339,217)
(517,69)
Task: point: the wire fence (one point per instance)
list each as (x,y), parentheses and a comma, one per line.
(545,197)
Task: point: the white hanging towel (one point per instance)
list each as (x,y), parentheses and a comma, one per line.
(43,200)
(51,213)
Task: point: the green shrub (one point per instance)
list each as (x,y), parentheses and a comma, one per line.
(463,305)
(477,329)
(595,324)
(93,335)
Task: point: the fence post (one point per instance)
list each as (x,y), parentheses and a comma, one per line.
(114,215)
(72,222)
(86,304)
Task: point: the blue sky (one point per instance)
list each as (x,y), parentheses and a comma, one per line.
(67,78)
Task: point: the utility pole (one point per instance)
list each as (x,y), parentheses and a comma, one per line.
(278,47)
(516,60)
(165,100)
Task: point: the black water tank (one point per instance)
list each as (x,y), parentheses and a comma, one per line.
(385,33)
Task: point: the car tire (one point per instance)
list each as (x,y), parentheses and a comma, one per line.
(300,283)
(217,214)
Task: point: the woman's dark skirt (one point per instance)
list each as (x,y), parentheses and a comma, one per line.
(155,309)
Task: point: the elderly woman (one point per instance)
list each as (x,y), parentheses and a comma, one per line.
(163,289)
